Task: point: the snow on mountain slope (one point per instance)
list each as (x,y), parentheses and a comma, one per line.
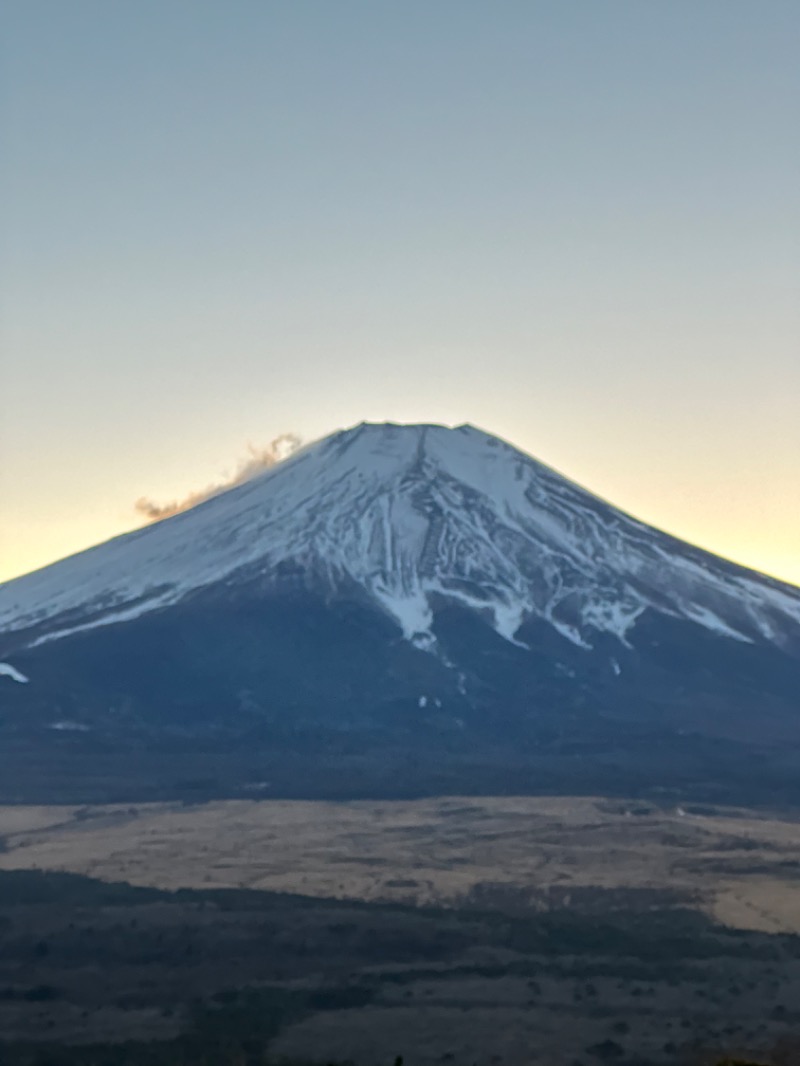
(415,516)
(7,670)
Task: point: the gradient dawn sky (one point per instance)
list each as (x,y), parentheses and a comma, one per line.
(574,223)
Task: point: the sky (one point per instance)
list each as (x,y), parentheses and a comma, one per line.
(573,223)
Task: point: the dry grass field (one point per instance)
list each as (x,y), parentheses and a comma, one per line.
(740,867)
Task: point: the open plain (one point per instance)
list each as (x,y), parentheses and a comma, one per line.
(740,867)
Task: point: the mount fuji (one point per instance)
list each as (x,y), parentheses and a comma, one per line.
(399,609)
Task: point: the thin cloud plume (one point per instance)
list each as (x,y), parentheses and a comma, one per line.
(257,461)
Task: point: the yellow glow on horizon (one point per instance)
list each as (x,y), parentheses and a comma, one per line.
(49,544)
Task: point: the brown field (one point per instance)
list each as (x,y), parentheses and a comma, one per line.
(740,867)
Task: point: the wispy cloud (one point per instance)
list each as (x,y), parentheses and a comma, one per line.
(256,462)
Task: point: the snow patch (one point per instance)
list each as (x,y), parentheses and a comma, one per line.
(615,617)
(127,615)
(704,617)
(7,670)
(411,610)
(507,620)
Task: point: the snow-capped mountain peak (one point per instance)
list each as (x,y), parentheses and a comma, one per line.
(411,518)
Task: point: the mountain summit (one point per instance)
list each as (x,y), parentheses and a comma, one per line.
(411,586)
(414,517)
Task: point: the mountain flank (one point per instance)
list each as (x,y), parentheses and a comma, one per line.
(400,609)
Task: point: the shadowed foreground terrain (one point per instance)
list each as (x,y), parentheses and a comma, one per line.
(105,973)
(489,932)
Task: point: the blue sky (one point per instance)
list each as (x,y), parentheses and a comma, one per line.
(574,223)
